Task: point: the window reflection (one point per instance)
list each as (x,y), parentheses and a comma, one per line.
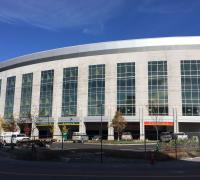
(46,93)
(126,88)
(190,82)
(96,90)
(158,88)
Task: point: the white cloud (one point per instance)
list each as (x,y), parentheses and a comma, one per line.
(59,14)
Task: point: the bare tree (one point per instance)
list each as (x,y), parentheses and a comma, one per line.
(118,123)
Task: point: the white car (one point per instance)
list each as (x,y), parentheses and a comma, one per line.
(180,136)
(19,137)
(79,137)
(127,136)
(6,137)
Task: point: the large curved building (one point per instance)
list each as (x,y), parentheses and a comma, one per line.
(153,82)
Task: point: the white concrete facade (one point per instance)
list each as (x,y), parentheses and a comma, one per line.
(134,51)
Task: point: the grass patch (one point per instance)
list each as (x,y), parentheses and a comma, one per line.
(121,142)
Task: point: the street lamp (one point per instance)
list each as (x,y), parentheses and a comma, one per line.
(101,133)
(101,136)
(156,128)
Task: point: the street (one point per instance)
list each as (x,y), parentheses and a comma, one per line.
(124,147)
(137,169)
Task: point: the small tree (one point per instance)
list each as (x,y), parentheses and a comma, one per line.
(3,125)
(8,125)
(118,123)
(13,124)
(32,118)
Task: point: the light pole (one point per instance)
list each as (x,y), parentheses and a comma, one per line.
(101,135)
(156,128)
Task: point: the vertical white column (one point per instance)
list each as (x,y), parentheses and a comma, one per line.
(57,100)
(17,96)
(175,119)
(141,87)
(110,95)
(3,95)
(82,95)
(174,89)
(35,101)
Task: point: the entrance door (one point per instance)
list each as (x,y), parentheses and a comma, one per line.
(45,132)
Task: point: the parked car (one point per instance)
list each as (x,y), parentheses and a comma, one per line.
(78,137)
(180,136)
(6,137)
(96,138)
(127,136)
(1,143)
(12,137)
(165,137)
(19,137)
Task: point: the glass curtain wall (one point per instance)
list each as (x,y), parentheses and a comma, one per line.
(69,95)
(26,95)
(9,101)
(96,90)
(158,88)
(190,82)
(0,87)
(46,93)
(126,88)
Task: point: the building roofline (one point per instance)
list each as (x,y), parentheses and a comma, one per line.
(122,46)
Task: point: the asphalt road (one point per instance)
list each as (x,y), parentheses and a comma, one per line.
(15,169)
(123,147)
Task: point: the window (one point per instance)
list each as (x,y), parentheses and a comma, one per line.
(96,90)
(9,101)
(158,88)
(190,84)
(46,93)
(26,95)
(0,86)
(126,88)
(69,95)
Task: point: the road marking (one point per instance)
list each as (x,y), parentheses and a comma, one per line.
(98,175)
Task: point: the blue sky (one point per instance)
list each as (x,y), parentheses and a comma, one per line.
(28,26)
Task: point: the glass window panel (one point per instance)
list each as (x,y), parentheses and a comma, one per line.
(190,82)
(0,87)
(46,93)
(26,95)
(96,90)
(9,100)
(126,88)
(69,97)
(158,90)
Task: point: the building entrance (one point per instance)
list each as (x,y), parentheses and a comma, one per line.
(151,133)
(94,128)
(25,128)
(68,130)
(45,132)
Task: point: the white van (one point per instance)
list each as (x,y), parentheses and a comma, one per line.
(7,137)
(12,137)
